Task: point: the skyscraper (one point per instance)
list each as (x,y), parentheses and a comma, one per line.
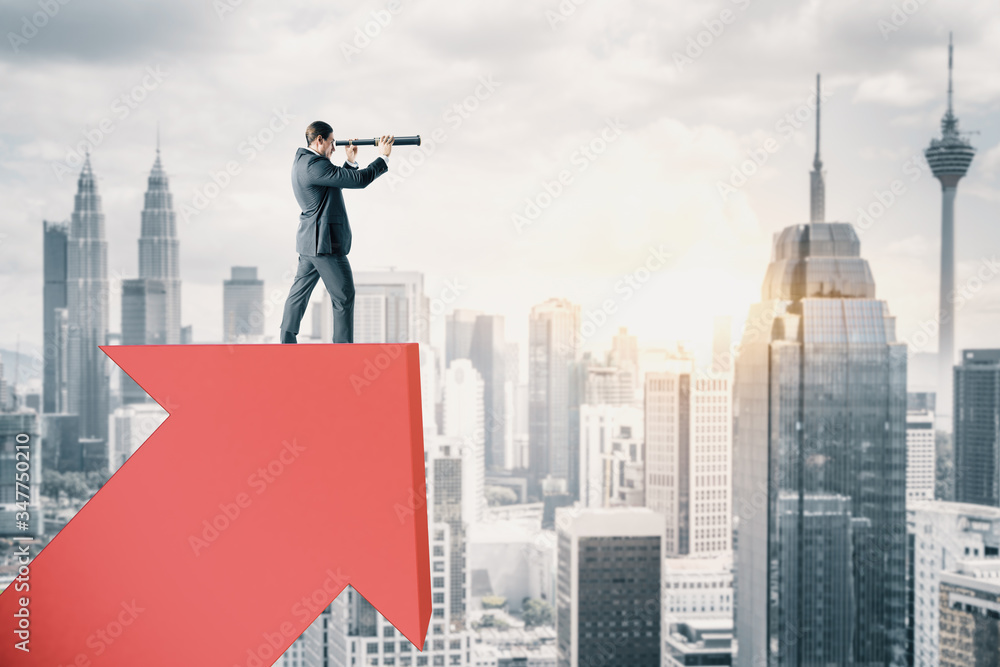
(820,459)
(608,590)
(87,306)
(609,385)
(389,307)
(158,249)
(55,242)
(920,447)
(941,536)
(151,304)
(689,459)
(463,421)
(970,613)
(949,158)
(459,328)
(243,306)
(452,502)
(611,456)
(977,428)
(487,353)
(552,336)
(519,458)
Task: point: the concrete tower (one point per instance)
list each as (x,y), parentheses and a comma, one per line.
(949,158)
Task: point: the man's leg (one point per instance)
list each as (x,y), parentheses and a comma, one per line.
(306,276)
(339,280)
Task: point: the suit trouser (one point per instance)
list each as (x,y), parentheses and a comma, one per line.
(335,271)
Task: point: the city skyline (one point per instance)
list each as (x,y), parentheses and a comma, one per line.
(669,283)
(879,113)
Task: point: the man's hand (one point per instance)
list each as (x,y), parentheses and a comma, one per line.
(352,151)
(385,144)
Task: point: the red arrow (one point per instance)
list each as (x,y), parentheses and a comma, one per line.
(283,473)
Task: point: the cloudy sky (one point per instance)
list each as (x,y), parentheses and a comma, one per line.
(643,109)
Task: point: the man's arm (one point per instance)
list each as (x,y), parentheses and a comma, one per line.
(323,172)
(351,164)
(384,147)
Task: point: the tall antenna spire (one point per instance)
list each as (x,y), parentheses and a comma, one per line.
(157,137)
(817,163)
(949,124)
(817,186)
(950,51)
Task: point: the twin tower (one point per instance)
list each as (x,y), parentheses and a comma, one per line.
(151,303)
(76,299)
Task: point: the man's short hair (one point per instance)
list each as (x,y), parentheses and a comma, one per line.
(317,129)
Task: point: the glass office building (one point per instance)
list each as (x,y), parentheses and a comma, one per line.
(820,462)
(977,428)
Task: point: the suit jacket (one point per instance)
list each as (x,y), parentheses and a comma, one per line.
(317,184)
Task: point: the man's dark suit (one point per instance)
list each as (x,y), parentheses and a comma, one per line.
(324,239)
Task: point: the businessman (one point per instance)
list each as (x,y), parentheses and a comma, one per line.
(324,235)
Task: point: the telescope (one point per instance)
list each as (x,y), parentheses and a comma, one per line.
(397,141)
